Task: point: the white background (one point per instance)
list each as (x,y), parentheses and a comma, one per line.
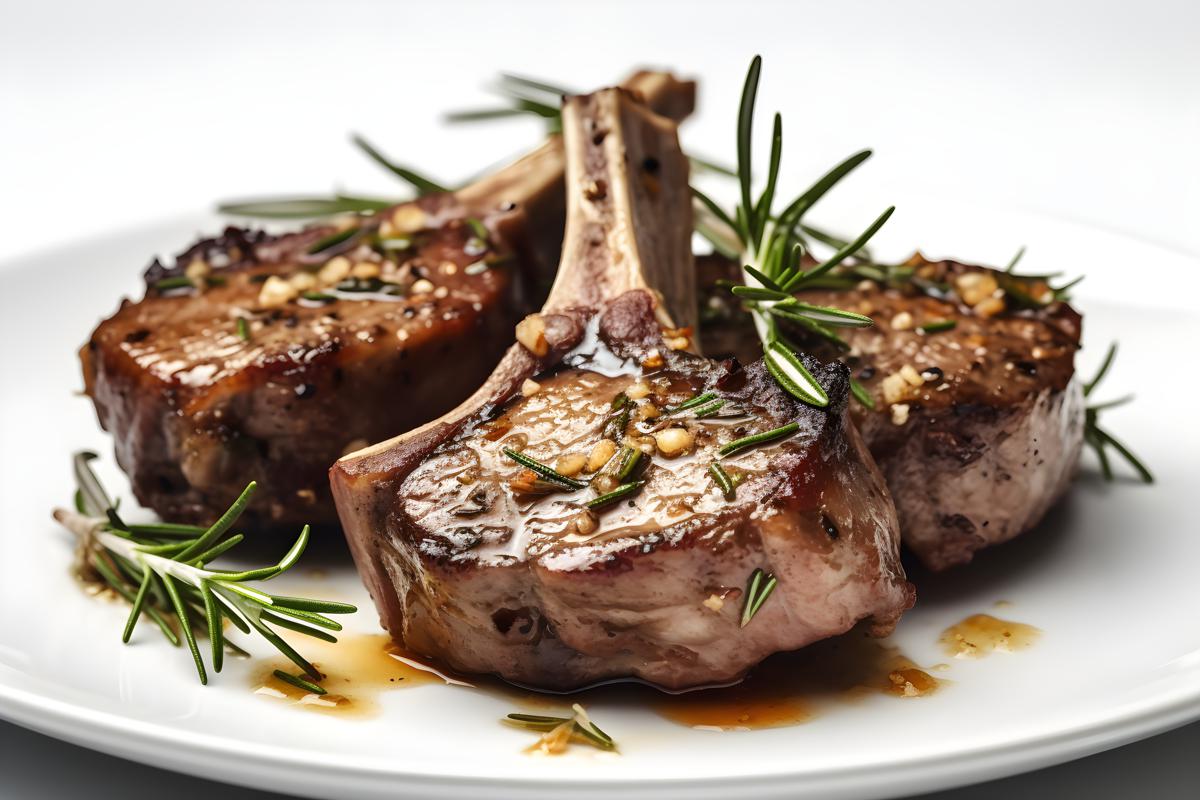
(116,112)
(113,114)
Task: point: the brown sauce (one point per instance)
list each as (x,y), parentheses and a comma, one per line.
(355,671)
(980,635)
(786,689)
(792,688)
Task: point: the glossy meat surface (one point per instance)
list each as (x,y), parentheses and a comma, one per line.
(493,577)
(977,428)
(476,558)
(208,388)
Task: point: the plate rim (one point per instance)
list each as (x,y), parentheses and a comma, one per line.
(270,767)
(262,765)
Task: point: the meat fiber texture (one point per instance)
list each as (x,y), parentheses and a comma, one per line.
(977,429)
(474,561)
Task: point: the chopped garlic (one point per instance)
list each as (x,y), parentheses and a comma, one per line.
(902,321)
(646,411)
(571,464)
(276,292)
(674,441)
(586,523)
(900,413)
(366,269)
(638,390)
(895,388)
(197,271)
(336,269)
(530,387)
(911,376)
(602,451)
(713,603)
(678,343)
(990,307)
(303,281)
(975,287)
(531,333)
(408,219)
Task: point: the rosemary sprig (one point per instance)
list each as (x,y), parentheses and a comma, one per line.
(579,725)
(771,247)
(162,570)
(759,438)
(243,329)
(1098,438)
(547,473)
(758,590)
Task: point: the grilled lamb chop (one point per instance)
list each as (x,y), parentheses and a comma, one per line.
(243,378)
(977,429)
(494,567)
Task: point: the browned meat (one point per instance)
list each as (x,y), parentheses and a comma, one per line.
(475,559)
(977,429)
(205,389)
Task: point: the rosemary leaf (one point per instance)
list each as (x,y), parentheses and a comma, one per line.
(216,633)
(937,326)
(1110,355)
(708,409)
(303,207)
(745,129)
(332,240)
(760,588)
(759,438)
(826,315)
(620,493)
(1016,259)
(546,472)
(299,682)
(478,228)
(698,400)
(790,373)
(139,602)
(627,461)
(185,625)
(174,282)
(722,480)
(861,394)
(423,184)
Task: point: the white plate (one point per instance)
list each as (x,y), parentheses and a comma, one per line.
(1110,578)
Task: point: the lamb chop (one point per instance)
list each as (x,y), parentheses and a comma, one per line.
(977,419)
(260,357)
(609,504)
